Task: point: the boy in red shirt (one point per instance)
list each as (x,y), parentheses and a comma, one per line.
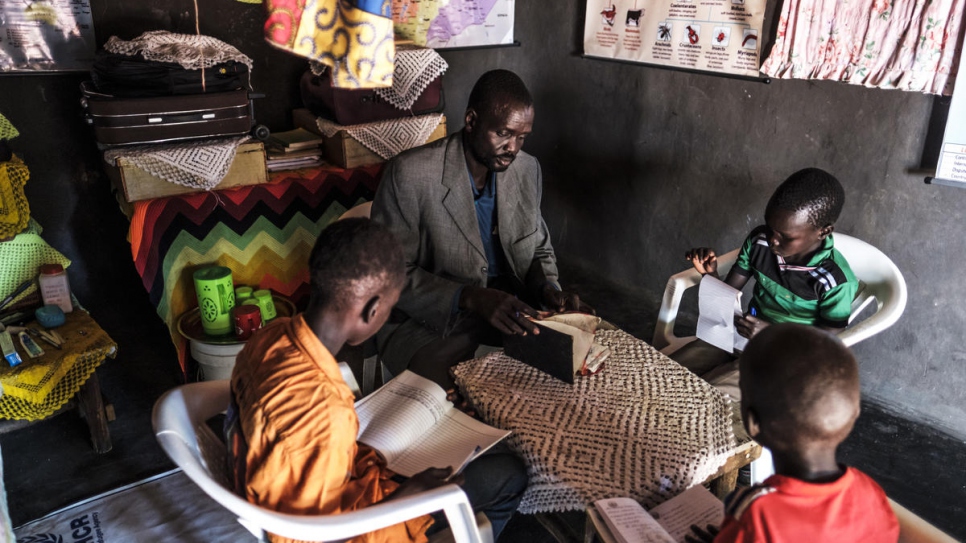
(800,398)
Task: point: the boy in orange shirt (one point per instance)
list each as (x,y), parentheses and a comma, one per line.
(800,398)
(296,451)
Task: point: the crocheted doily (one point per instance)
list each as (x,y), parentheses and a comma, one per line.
(416,67)
(644,427)
(7,130)
(14,207)
(191,51)
(196,164)
(387,138)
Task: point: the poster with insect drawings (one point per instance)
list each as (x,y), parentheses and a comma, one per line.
(713,35)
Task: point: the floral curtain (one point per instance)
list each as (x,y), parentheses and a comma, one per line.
(892,44)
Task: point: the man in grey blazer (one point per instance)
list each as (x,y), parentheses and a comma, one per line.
(478,255)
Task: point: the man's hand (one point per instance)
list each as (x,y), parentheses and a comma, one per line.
(561,300)
(503,311)
(748,326)
(702,536)
(454,396)
(426,480)
(704,260)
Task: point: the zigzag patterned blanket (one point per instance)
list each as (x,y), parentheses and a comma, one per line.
(264,233)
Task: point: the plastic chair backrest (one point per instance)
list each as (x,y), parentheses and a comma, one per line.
(179,423)
(913,529)
(880,282)
(361,211)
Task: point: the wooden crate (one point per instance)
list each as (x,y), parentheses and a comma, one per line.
(345,151)
(135,184)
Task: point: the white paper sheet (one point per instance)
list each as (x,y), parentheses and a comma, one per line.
(718,303)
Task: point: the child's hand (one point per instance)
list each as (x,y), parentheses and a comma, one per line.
(748,326)
(704,260)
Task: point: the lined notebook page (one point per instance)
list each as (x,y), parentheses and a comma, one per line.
(448,443)
(396,415)
(695,505)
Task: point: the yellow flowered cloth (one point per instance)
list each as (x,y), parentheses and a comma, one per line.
(14,209)
(20,260)
(38,387)
(358,45)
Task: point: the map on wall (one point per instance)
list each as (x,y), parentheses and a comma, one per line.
(445,24)
(713,35)
(46,35)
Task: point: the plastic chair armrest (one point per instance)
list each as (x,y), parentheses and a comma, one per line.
(674,292)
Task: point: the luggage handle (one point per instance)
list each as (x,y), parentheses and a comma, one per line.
(160,119)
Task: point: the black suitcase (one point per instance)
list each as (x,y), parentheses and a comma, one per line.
(127,76)
(122,121)
(358,106)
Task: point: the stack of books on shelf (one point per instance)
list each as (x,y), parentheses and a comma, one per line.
(294,149)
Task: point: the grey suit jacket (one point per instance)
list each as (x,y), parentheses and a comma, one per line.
(426,200)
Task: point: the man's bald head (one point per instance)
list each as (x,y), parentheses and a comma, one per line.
(802,386)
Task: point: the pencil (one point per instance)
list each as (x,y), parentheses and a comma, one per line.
(23,286)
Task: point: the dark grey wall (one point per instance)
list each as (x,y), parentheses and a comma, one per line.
(640,164)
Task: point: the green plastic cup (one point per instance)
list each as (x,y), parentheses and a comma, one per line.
(266,304)
(216,297)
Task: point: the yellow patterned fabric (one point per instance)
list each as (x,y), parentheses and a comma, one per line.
(14,209)
(357,45)
(38,387)
(20,260)
(7,130)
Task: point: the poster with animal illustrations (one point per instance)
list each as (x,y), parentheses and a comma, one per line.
(712,35)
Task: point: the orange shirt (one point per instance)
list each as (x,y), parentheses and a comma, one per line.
(299,419)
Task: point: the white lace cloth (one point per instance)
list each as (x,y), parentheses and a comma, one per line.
(191,51)
(644,427)
(195,164)
(387,138)
(416,67)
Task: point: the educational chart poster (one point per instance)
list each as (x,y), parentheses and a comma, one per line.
(442,24)
(713,35)
(952,159)
(46,35)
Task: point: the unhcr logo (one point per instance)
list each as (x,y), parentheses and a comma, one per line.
(83,529)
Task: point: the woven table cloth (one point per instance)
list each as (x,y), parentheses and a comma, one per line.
(263,233)
(644,427)
(38,387)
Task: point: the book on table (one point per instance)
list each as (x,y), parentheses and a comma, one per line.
(718,305)
(564,347)
(412,424)
(294,140)
(623,520)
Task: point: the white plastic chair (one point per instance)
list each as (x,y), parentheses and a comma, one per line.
(179,424)
(879,280)
(914,529)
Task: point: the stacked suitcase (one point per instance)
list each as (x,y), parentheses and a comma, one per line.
(386,111)
(132,100)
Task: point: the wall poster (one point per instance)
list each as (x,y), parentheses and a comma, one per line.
(712,35)
(952,157)
(442,24)
(46,35)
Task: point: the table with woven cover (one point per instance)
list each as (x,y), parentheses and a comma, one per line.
(644,427)
(39,387)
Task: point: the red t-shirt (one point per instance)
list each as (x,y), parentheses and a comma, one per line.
(852,508)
